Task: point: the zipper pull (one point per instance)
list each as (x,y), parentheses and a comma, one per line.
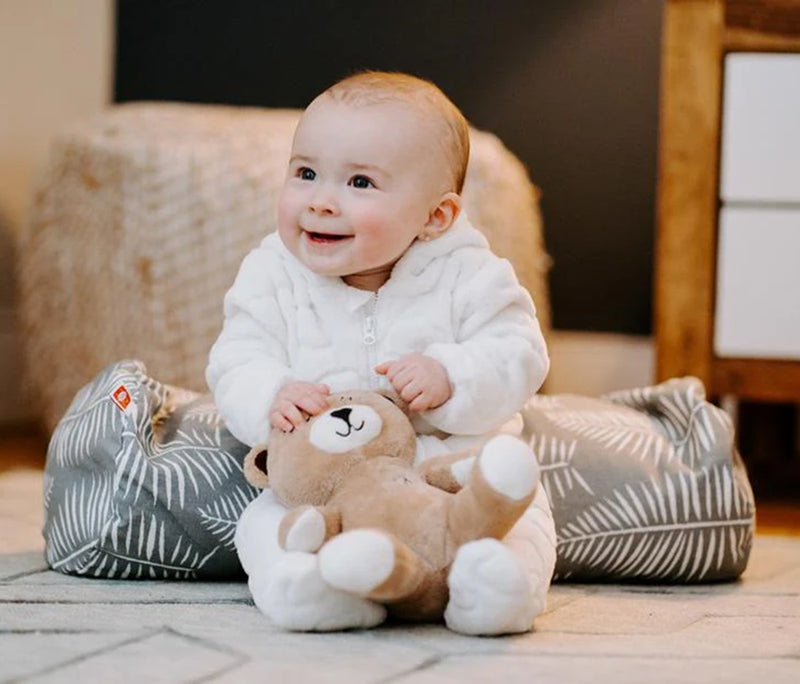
(369,331)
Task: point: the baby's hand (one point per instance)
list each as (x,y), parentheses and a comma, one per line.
(292,399)
(420,380)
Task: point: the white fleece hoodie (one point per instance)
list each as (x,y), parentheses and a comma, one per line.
(450,298)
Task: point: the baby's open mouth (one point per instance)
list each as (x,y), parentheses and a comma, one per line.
(325,237)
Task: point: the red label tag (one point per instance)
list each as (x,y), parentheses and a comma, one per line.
(121,397)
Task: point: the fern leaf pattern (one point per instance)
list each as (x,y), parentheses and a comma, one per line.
(74,523)
(618,431)
(669,501)
(47,489)
(692,424)
(221,515)
(140,546)
(151,491)
(203,412)
(686,527)
(555,461)
(644,484)
(90,417)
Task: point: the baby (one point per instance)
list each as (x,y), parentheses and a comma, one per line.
(375,278)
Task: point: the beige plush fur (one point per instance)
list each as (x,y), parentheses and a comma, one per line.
(336,484)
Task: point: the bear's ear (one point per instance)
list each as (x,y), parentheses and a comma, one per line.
(395,398)
(255,466)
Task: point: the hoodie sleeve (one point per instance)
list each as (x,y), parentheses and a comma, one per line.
(499,359)
(249,362)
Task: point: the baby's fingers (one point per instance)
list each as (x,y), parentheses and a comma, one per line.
(292,414)
(312,404)
(402,376)
(390,369)
(278,420)
(421,403)
(410,391)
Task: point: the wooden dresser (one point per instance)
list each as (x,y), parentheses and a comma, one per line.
(727,288)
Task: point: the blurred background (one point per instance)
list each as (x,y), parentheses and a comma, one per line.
(570,86)
(553,79)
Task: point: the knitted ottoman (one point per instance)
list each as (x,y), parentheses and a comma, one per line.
(141,218)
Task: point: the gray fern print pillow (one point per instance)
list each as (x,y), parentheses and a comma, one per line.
(644,484)
(143,481)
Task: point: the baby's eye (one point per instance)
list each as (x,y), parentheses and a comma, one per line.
(361,182)
(304,173)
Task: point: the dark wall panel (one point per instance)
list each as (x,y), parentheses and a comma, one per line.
(570,86)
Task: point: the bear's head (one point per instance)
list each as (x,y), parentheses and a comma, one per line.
(305,465)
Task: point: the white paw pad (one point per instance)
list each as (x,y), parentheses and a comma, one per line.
(489,591)
(462,469)
(357,561)
(307,533)
(509,466)
(295,597)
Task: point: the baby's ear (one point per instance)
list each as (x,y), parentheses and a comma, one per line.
(255,467)
(442,217)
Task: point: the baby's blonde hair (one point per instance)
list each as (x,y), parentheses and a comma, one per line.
(373,87)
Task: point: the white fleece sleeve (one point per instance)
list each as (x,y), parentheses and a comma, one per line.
(248,363)
(499,359)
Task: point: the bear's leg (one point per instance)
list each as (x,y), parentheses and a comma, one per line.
(296,598)
(500,587)
(378,566)
(371,563)
(501,486)
(489,590)
(287,586)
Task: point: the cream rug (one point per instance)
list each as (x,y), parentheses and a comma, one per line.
(56,628)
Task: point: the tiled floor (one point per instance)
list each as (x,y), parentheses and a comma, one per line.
(55,628)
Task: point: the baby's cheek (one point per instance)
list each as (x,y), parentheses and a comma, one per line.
(287,210)
(369,223)
(383,240)
(288,229)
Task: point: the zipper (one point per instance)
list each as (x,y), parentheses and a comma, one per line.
(369,338)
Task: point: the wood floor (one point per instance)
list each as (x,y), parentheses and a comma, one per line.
(21,448)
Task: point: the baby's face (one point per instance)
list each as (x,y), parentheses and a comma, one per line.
(361,185)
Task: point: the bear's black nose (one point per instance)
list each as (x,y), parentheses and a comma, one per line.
(342,414)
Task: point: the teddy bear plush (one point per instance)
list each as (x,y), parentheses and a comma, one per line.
(366,533)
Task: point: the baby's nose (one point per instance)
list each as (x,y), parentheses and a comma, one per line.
(323,202)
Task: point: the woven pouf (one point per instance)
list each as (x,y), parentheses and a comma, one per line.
(143,214)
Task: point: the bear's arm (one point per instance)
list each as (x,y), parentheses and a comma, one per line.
(448,472)
(307,528)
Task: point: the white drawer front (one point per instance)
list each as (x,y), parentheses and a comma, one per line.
(758,284)
(761,128)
